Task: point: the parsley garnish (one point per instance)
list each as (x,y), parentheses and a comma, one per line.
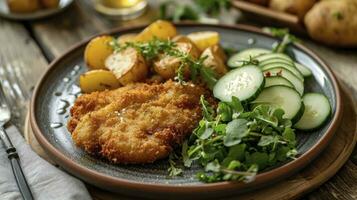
(153,48)
(173,169)
(234,142)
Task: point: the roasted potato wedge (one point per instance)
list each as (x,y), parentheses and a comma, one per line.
(185,39)
(97,50)
(218,50)
(167,66)
(160,29)
(204,39)
(23,6)
(130,37)
(296,7)
(333,22)
(214,60)
(50,3)
(98,80)
(128,66)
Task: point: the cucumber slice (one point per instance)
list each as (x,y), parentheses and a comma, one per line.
(270,56)
(275,60)
(245,83)
(306,72)
(277,80)
(289,67)
(237,59)
(283,97)
(279,71)
(317,111)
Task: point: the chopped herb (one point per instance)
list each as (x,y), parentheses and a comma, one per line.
(234,143)
(338,15)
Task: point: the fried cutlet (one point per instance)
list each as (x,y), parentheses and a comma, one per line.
(138,123)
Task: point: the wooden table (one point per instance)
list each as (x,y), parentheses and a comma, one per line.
(26,49)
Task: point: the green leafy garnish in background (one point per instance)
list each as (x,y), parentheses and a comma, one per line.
(233,142)
(213,7)
(174,11)
(179,12)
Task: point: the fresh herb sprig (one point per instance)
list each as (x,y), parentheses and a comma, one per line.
(155,47)
(283,33)
(234,142)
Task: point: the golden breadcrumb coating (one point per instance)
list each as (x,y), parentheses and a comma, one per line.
(138,123)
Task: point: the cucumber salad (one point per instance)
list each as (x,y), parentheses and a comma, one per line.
(262,105)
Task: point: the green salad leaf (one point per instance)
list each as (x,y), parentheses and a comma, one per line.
(234,141)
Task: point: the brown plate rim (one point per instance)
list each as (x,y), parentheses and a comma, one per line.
(114,182)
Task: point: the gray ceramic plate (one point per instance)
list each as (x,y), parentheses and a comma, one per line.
(6,13)
(58,89)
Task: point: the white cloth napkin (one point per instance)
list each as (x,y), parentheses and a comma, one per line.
(46,181)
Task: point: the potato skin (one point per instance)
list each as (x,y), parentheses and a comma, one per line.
(185,39)
(128,66)
(333,22)
(50,3)
(161,29)
(97,50)
(98,80)
(214,60)
(167,66)
(296,7)
(23,6)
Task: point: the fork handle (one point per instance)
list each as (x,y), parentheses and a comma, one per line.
(16,167)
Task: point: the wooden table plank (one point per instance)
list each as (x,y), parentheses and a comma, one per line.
(21,65)
(57,34)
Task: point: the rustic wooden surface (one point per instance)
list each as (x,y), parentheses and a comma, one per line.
(27,47)
(319,171)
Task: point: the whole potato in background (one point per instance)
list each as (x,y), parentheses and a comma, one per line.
(333,22)
(296,7)
(49,3)
(23,6)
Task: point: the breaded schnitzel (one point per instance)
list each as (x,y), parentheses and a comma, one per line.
(138,123)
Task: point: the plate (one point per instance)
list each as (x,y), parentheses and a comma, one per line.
(58,89)
(5,12)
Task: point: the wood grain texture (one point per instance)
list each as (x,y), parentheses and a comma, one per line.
(21,65)
(318,172)
(57,34)
(264,14)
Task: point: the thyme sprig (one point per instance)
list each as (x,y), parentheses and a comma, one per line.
(152,49)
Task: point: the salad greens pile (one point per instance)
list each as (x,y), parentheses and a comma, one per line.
(233,142)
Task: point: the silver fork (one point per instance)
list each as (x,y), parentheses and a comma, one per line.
(5,116)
